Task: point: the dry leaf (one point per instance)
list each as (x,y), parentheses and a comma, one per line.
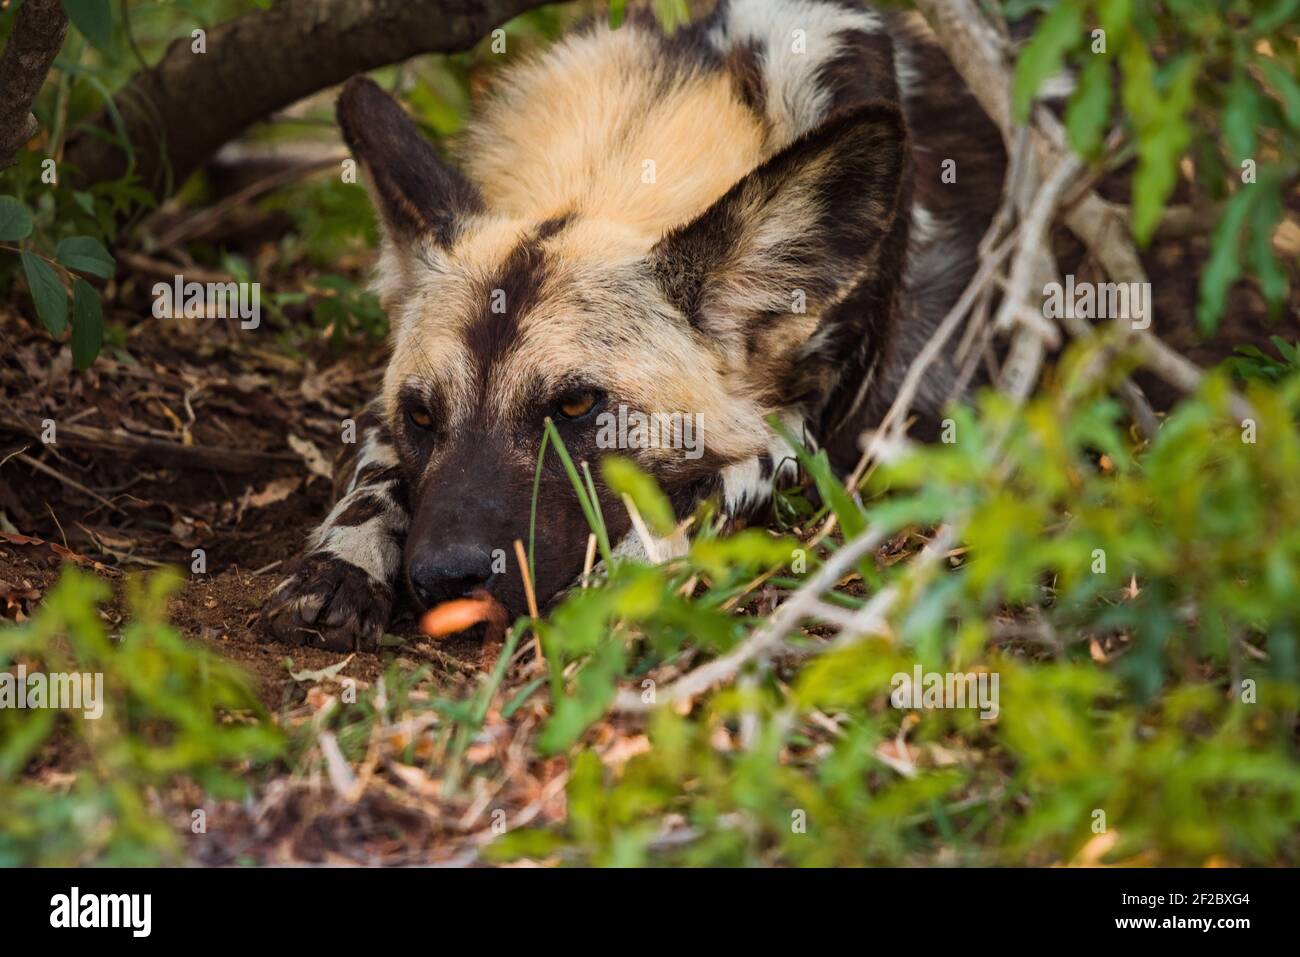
(276,490)
(311,456)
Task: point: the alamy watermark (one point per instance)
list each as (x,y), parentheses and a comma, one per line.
(930,689)
(630,429)
(1130,301)
(213,300)
(69,691)
(74,909)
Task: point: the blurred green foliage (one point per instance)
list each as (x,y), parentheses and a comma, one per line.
(1138,604)
(1251,362)
(172,712)
(1216,81)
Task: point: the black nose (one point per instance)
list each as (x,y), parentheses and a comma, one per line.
(442,572)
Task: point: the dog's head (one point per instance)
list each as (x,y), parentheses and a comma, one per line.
(500,322)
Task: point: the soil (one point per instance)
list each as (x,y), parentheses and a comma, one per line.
(212,387)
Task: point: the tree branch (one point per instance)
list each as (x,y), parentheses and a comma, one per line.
(37,36)
(180,111)
(769,637)
(979,55)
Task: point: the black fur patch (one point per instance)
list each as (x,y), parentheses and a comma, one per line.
(862,158)
(862,71)
(362,510)
(418,192)
(328,603)
(515,287)
(745,66)
(375,474)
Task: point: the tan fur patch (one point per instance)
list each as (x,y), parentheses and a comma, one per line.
(575,132)
(601,130)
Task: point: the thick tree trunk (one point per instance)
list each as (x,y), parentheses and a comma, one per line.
(179,112)
(34,43)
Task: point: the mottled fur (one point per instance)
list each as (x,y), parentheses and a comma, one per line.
(715,223)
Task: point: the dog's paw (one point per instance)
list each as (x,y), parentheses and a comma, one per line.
(328,603)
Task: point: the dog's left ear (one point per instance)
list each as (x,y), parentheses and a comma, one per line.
(417,194)
(796,233)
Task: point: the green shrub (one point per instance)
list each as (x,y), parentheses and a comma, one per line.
(172,713)
(1137,603)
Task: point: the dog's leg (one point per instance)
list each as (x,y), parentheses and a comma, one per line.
(341,594)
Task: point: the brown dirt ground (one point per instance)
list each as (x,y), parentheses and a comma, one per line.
(208,387)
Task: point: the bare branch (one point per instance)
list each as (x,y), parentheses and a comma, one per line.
(34,43)
(769,637)
(979,55)
(180,111)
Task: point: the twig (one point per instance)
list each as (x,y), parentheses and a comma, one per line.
(768,638)
(1032,265)
(157,267)
(171,454)
(648,541)
(916,371)
(871,617)
(16,452)
(195,224)
(522,558)
(70,482)
(589,560)
(58,525)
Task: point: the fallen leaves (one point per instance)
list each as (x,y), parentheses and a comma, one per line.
(18,600)
(311,456)
(276,490)
(53,553)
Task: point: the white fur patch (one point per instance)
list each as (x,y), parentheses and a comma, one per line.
(369,546)
(372,545)
(797,37)
(374,451)
(743,486)
(673,546)
(907,74)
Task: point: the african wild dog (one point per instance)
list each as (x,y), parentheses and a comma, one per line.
(738,221)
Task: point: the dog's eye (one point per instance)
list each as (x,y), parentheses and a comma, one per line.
(420,419)
(577,404)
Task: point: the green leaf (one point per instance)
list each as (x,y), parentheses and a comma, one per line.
(1288,352)
(591,695)
(1224,265)
(47,292)
(94,18)
(1115,17)
(1089,109)
(1266,19)
(847,512)
(1044,55)
(86,254)
(1163,133)
(87,324)
(1272,278)
(623,476)
(15,221)
(672,14)
(1241,117)
(617,8)
(1285,85)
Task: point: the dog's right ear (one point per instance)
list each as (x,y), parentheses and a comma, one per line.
(417,194)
